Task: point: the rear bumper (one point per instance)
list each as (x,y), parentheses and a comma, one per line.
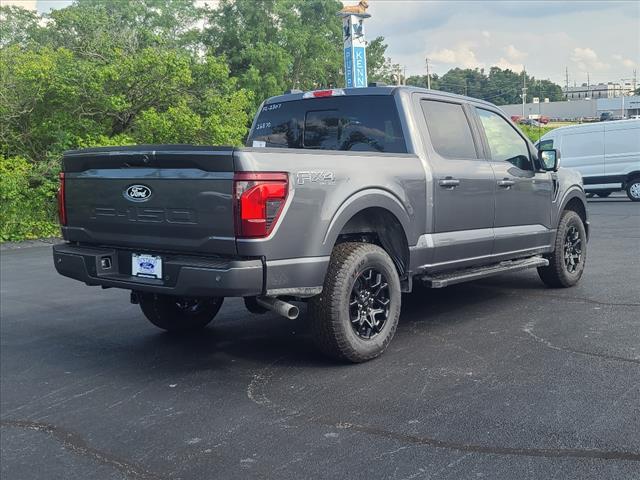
(183,275)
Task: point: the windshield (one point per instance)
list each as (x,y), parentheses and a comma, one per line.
(357,123)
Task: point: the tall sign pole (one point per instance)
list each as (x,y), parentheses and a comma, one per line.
(355,46)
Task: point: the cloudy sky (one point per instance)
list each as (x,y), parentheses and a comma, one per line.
(599,37)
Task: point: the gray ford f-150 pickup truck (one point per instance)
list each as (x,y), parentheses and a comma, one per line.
(340,198)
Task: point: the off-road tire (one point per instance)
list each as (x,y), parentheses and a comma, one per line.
(633,189)
(556,274)
(176,314)
(330,322)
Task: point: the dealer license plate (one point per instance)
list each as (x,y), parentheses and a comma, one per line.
(149,266)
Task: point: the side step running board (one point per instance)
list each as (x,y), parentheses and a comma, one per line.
(440,280)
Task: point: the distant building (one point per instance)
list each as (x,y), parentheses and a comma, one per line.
(601,90)
(620,106)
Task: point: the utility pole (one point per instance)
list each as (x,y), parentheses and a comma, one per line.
(398,75)
(588,86)
(429,74)
(540,97)
(634,81)
(566,83)
(524,91)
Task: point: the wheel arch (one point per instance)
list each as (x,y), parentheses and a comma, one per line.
(374,216)
(575,201)
(630,176)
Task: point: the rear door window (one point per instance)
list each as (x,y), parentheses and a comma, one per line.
(347,123)
(449,129)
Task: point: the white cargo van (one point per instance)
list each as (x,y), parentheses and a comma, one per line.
(607,154)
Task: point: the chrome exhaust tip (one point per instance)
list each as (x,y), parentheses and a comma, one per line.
(280,307)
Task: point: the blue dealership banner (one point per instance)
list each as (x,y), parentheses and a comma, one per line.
(355,53)
(348,67)
(359,67)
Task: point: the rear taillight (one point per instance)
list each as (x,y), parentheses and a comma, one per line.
(62,208)
(259,198)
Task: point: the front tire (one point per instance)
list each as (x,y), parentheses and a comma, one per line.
(633,189)
(179,314)
(566,263)
(356,315)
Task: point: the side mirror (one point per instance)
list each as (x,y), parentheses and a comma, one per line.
(549,160)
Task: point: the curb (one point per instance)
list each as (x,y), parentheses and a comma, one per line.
(41,242)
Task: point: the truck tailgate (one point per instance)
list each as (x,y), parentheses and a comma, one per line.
(152,197)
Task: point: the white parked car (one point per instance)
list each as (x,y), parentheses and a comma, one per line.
(607,154)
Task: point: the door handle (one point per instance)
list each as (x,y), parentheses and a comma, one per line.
(449,182)
(506,183)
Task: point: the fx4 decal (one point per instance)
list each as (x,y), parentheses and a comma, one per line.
(322,177)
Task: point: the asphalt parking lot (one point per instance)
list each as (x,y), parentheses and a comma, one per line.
(500,379)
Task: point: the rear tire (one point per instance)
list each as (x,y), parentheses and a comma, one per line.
(566,263)
(603,194)
(633,189)
(179,314)
(356,315)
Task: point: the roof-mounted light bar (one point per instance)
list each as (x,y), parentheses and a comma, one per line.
(335,92)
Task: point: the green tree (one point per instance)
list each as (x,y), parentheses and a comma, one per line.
(276,45)
(422,81)
(99,71)
(497,86)
(378,66)
(97,29)
(18,26)
(54,100)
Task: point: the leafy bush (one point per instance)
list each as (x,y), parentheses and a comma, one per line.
(28,197)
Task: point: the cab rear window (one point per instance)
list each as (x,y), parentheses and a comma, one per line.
(356,123)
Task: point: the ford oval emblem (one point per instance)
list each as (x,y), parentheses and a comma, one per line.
(137,193)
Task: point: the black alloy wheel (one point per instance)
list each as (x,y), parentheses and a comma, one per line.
(369,303)
(572,249)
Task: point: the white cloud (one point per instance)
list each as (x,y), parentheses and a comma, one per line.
(27,4)
(461,55)
(587,59)
(627,62)
(514,54)
(415,28)
(505,64)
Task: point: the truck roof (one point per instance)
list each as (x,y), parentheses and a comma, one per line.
(378,90)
